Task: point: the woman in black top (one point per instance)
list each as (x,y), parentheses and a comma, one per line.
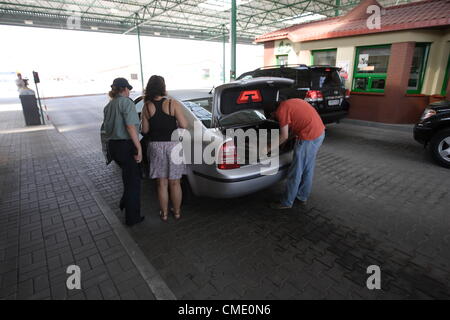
(160,118)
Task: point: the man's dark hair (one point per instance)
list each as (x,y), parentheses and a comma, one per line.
(156,86)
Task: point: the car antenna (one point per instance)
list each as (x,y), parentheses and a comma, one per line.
(212,90)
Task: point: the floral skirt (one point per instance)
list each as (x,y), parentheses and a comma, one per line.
(162,165)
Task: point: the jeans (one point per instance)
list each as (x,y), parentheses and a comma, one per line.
(122,152)
(300,174)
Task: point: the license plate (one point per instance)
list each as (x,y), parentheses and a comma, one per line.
(333,102)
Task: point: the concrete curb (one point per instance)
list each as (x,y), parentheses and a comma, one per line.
(75,96)
(80,95)
(387,126)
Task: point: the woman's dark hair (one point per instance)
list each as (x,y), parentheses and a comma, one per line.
(115,92)
(156,86)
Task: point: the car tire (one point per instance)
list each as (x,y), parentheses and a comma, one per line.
(439,143)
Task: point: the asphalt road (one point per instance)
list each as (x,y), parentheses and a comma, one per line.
(378,199)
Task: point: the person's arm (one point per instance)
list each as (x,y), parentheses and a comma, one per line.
(131,128)
(179,115)
(284,134)
(131,121)
(284,121)
(144,119)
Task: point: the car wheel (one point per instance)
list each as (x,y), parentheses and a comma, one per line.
(440,148)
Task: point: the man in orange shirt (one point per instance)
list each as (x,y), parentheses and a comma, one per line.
(302,120)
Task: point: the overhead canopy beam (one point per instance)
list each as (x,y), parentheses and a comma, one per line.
(167,9)
(173,18)
(233,17)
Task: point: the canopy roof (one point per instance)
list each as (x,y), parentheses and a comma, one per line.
(190,19)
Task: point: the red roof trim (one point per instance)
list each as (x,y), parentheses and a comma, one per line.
(415,15)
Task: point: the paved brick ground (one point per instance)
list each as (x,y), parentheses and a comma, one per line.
(377,200)
(49,220)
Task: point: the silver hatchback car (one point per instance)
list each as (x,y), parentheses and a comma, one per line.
(236,105)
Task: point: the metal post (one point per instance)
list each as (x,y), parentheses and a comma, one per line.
(223,54)
(233,40)
(40,105)
(336,11)
(140,53)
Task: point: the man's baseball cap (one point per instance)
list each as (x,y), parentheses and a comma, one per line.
(121,83)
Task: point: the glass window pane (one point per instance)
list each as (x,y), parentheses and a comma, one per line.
(417,68)
(324,58)
(323,79)
(373,60)
(282,60)
(361,83)
(303,79)
(445,84)
(289,73)
(378,83)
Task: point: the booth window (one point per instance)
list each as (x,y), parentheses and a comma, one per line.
(371,68)
(325,57)
(282,60)
(447,74)
(418,66)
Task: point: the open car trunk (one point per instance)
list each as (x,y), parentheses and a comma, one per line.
(248,152)
(260,94)
(244,105)
(250,149)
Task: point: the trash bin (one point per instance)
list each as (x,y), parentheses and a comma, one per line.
(30,109)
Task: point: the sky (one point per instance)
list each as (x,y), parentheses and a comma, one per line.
(77,62)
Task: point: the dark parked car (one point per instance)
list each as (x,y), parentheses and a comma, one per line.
(321,86)
(434,130)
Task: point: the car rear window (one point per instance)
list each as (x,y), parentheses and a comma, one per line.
(324,78)
(201,108)
(229,100)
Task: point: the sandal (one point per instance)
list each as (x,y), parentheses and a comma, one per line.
(177,216)
(163,216)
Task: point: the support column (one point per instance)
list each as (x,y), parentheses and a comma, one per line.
(397,109)
(224,77)
(233,40)
(269,53)
(140,53)
(336,11)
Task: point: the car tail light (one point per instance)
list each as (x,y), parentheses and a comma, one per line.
(228,157)
(347,93)
(249,96)
(428,113)
(314,95)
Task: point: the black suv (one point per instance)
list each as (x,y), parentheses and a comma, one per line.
(321,86)
(434,129)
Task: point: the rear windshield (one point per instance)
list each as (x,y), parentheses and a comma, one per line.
(324,79)
(229,99)
(201,108)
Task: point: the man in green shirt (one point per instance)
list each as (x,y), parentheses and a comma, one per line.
(121,126)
